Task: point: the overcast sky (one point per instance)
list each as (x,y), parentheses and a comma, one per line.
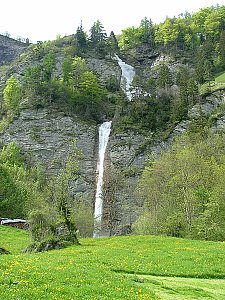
(41,20)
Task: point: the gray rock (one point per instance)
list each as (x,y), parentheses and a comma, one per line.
(10,49)
(104,68)
(45,137)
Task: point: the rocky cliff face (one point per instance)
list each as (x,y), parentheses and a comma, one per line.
(10,49)
(104,68)
(123,165)
(45,137)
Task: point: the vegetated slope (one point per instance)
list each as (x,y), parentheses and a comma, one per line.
(56,76)
(116,268)
(10,49)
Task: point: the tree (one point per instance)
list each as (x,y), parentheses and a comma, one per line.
(12,95)
(32,85)
(112,44)
(204,67)
(79,67)
(17,191)
(129,38)
(181,189)
(53,222)
(164,77)
(49,63)
(221,51)
(147,32)
(98,38)
(81,40)
(67,69)
(97,33)
(167,32)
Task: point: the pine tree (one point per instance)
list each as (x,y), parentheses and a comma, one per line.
(147,32)
(112,44)
(98,38)
(81,40)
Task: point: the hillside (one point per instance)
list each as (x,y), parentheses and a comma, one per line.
(114,268)
(10,49)
(57,94)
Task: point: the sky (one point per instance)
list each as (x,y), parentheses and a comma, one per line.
(41,20)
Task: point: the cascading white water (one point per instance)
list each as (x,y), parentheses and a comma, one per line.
(104,131)
(128,74)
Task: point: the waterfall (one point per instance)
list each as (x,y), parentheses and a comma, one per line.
(104,131)
(127,77)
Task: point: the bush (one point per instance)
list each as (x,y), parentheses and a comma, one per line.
(175,225)
(40,225)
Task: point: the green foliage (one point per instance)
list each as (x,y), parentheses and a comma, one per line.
(147,113)
(14,188)
(129,38)
(112,84)
(80,40)
(164,77)
(78,91)
(32,85)
(21,187)
(83,214)
(98,39)
(183,189)
(40,224)
(54,219)
(183,35)
(12,95)
(167,32)
(112,44)
(46,202)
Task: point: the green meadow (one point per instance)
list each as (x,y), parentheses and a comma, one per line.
(131,267)
(220,78)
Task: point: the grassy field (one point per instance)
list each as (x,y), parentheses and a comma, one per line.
(215,85)
(113,268)
(220,78)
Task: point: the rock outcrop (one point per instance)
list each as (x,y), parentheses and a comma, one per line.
(45,136)
(10,49)
(124,163)
(104,68)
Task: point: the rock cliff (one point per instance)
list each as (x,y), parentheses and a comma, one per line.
(45,136)
(10,49)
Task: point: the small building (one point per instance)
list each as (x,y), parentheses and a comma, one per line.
(18,223)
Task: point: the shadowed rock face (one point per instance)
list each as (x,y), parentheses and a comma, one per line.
(10,49)
(45,136)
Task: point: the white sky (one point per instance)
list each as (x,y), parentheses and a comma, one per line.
(45,19)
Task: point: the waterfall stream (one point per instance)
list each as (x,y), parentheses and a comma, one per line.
(104,132)
(127,77)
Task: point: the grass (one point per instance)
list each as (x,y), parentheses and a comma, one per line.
(134,267)
(213,86)
(220,78)
(13,239)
